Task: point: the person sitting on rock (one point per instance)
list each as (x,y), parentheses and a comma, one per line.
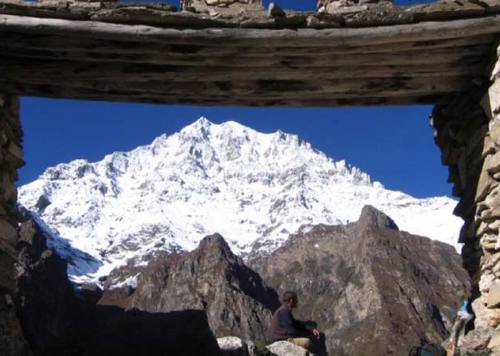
(284,327)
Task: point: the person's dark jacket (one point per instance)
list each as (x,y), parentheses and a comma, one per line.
(284,326)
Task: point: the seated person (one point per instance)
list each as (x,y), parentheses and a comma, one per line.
(285,327)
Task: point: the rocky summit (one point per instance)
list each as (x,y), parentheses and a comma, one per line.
(211,279)
(372,289)
(253,188)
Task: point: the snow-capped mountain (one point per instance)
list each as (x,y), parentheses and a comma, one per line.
(255,189)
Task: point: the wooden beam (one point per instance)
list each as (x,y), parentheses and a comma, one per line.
(36,68)
(81,45)
(262,37)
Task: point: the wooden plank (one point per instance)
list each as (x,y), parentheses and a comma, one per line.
(54,91)
(261,68)
(262,37)
(18,41)
(466,55)
(10,68)
(204,74)
(291,89)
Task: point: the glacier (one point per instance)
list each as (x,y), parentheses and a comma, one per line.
(253,188)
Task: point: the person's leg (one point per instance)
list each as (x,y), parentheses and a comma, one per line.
(304,342)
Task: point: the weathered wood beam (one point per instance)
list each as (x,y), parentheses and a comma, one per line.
(36,68)
(262,37)
(238,91)
(161,62)
(164,62)
(18,41)
(51,91)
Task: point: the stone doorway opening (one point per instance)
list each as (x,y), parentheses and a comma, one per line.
(456,43)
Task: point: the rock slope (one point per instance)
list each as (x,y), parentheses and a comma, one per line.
(371,288)
(254,189)
(57,321)
(211,279)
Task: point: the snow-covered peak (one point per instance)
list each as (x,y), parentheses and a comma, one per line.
(253,188)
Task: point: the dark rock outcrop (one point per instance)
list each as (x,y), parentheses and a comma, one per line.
(371,288)
(58,321)
(47,305)
(212,279)
(12,340)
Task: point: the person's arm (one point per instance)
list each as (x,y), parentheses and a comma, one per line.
(307,327)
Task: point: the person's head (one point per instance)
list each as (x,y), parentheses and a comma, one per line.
(290,299)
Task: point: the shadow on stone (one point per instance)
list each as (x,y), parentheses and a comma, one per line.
(136,332)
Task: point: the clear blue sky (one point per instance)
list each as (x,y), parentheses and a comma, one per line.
(392,144)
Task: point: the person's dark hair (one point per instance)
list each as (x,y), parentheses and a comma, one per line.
(288,296)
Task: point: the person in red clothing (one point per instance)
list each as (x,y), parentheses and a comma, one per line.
(285,327)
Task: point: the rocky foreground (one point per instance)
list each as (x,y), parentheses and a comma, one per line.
(368,286)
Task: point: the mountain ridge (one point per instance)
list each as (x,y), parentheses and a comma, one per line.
(255,189)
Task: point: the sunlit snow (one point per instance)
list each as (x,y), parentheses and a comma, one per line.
(253,188)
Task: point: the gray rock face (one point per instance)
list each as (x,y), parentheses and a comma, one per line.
(373,218)
(371,288)
(285,348)
(212,279)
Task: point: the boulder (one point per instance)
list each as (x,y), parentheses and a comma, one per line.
(285,348)
(232,346)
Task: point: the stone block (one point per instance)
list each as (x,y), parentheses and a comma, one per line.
(485,184)
(231,6)
(232,346)
(275,11)
(494,318)
(493,298)
(494,99)
(495,340)
(285,348)
(8,233)
(492,164)
(14,155)
(493,198)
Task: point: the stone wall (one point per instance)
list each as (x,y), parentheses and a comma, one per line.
(12,341)
(467,130)
(221,5)
(11,158)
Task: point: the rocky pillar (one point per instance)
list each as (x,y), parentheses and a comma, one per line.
(467,129)
(12,342)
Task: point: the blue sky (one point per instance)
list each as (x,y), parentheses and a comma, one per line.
(392,144)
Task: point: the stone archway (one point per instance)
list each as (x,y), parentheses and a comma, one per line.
(234,53)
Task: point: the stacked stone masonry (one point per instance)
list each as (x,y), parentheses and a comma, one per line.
(12,341)
(467,129)
(221,5)
(11,158)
